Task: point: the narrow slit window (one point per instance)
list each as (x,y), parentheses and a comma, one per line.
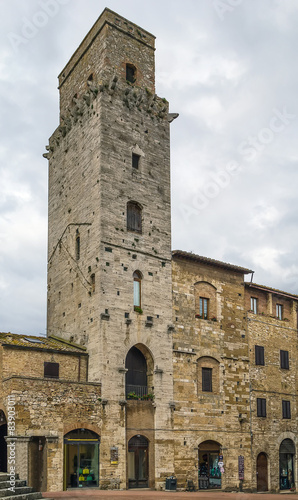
(279,311)
(254,305)
(137,279)
(135,161)
(78,246)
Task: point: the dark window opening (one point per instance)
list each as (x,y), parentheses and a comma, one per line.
(259,355)
(284,360)
(51,370)
(130,73)
(90,78)
(134,217)
(207,379)
(135,161)
(93,282)
(136,375)
(286,409)
(261,407)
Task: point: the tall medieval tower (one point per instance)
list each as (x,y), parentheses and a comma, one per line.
(109,268)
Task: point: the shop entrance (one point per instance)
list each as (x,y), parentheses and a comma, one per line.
(81,459)
(3,445)
(209,470)
(138,464)
(286,464)
(262,472)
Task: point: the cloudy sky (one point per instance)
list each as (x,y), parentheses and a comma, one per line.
(228,67)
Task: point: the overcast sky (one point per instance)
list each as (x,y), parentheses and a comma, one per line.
(228,67)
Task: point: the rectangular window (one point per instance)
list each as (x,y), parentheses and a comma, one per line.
(51,370)
(254,305)
(284,360)
(259,355)
(261,407)
(279,311)
(204,307)
(286,409)
(207,379)
(135,161)
(137,293)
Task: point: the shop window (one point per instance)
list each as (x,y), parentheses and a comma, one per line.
(254,305)
(287,464)
(261,407)
(134,217)
(137,281)
(207,379)
(51,370)
(286,409)
(284,360)
(81,459)
(131,73)
(279,311)
(135,161)
(259,355)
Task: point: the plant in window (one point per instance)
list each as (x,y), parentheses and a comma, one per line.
(138,309)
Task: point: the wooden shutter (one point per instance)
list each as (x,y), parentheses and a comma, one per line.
(259,355)
(286,409)
(51,370)
(207,379)
(261,407)
(284,360)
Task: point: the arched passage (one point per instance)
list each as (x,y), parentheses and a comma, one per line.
(209,465)
(81,459)
(262,472)
(3,445)
(287,464)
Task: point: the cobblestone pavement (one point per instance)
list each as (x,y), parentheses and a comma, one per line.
(156,495)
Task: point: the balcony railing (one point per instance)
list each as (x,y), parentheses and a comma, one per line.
(138,390)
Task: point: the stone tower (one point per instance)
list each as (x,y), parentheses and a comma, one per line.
(109,243)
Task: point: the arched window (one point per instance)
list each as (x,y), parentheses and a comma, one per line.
(137,279)
(136,375)
(205,300)
(131,73)
(208,375)
(134,217)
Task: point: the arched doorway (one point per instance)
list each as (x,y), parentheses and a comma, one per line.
(138,462)
(136,375)
(286,464)
(3,445)
(262,472)
(81,459)
(209,465)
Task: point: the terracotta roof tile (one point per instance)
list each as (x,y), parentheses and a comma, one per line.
(210,262)
(31,341)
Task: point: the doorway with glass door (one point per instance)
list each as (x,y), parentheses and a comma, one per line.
(138,462)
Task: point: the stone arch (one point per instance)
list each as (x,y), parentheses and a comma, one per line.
(209,453)
(205,296)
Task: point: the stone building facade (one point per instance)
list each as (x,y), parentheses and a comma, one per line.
(157,363)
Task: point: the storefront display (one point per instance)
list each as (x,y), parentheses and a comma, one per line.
(81,459)
(286,464)
(210,466)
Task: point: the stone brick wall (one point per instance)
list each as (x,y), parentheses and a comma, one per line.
(31,363)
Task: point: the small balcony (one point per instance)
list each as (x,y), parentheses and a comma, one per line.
(139,392)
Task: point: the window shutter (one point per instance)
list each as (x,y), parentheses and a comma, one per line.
(259,355)
(51,370)
(286,409)
(284,360)
(261,407)
(207,379)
